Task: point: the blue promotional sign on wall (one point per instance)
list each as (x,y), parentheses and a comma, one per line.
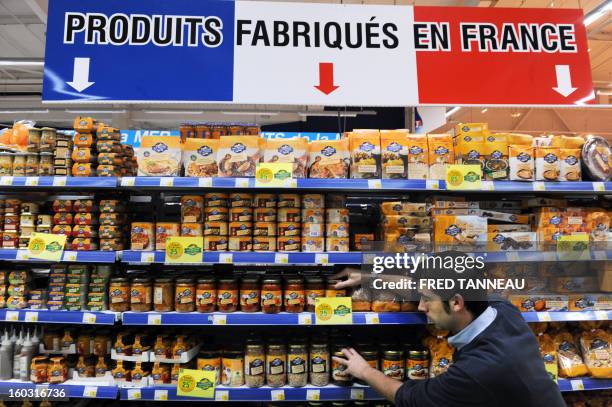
(149,50)
(307,135)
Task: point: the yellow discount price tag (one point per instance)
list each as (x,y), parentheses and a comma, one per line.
(461,177)
(196,383)
(46,246)
(573,247)
(273,174)
(333,311)
(184,249)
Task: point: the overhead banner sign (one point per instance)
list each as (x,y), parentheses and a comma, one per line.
(321,54)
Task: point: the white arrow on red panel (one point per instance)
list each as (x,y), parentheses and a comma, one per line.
(80,76)
(564,80)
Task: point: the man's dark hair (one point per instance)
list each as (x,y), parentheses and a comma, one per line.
(476,299)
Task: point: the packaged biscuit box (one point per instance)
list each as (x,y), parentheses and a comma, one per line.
(569,163)
(590,302)
(522,163)
(496,157)
(199,157)
(328,159)
(504,217)
(394,154)
(538,302)
(403,208)
(513,241)
(469,143)
(288,151)
(441,153)
(365,154)
(461,230)
(418,156)
(159,156)
(547,163)
(238,155)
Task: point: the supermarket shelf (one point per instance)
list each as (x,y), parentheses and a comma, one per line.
(567,316)
(130,256)
(58,182)
(327,393)
(586,383)
(362,184)
(55,390)
(59,317)
(258,318)
(68,256)
(133,256)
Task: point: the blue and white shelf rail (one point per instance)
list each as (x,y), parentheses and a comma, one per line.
(80,256)
(59,317)
(58,182)
(582,384)
(15,389)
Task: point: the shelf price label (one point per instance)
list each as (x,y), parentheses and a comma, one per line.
(219,319)
(31,316)
(154,319)
(333,311)
(305,318)
(599,187)
(226,258)
(90,392)
(322,258)
(221,395)
(539,186)
(184,249)
(196,383)
(577,385)
(281,258)
(273,174)
(134,394)
(313,395)
(31,181)
(60,182)
(46,246)
(11,316)
(357,394)
(372,318)
(128,181)
(462,177)
(277,395)
(374,184)
(6,180)
(205,182)
(69,256)
(89,318)
(241,182)
(160,395)
(166,181)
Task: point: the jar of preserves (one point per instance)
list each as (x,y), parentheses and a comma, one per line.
(370,354)
(6,164)
(101,367)
(31,165)
(187,130)
(184,295)
(160,373)
(119,294)
(140,295)
(19,165)
(47,140)
(233,368)
(417,363)
(57,370)
(319,364)
(163,295)
(202,130)
(271,296)
(250,295)
(297,374)
(254,364)
(330,291)
(393,364)
(227,295)
(38,369)
(210,361)
(206,294)
(338,371)
(294,295)
(314,288)
(276,361)
(45,165)
(100,345)
(84,344)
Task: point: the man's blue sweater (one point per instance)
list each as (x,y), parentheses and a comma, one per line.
(501,367)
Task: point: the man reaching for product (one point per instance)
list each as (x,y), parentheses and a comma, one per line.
(496,362)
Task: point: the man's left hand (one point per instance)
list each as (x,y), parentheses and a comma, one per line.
(355,364)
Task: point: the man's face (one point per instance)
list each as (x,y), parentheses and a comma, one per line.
(433,307)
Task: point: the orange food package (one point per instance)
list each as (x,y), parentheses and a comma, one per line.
(547,166)
(328,159)
(548,350)
(238,155)
(394,154)
(288,151)
(569,163)
(597,353)
(365,154)
(441,153)
(199,157)
(418,156)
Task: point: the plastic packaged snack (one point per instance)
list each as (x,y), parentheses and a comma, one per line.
(328,159)
(288,151)
(199,157)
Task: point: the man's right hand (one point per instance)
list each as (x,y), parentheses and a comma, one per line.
(352,276)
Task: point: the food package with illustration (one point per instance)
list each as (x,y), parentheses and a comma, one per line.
(469,143)
(238,155)
(418,156)
(364,146)
(394,154)
(596,346)
(328,159)
(512,241)
(159,156)
(590,302)
(199,157)
(547,165)
(459,231)
(288,151)
(496,157)
(570,359)
(441,153)
(540,302)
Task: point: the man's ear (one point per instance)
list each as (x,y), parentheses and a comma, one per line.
(457,303)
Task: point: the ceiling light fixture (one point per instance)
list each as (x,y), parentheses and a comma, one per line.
(173,111)
(24,111)
(242,113)
(8,62)
(96,111)
(484,110)
(597,13)
(328,114)
(452,111)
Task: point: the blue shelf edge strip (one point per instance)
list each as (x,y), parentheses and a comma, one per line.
(59,182)
(58,317)
(68,256)
(307,318)
(70,390)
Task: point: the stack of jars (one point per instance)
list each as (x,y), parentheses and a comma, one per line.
(225,294)
(77,219)
(10,236)
(212,130)
(32,158)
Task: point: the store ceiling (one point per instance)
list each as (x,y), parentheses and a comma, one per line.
(22,36)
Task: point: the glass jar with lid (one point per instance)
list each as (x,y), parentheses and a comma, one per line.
(331,291)
(294,295)
(233,367)
(254,364)
(184,295)
(319,363)
(206,294)
(250,294)
(393,363)
(210,360)
(227,295)
(276,363)
(370,354)
(297,367)
(163,295)
(315,287)
(271,295)
(140,295)
(338,371)
(417,362)
(119,294)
